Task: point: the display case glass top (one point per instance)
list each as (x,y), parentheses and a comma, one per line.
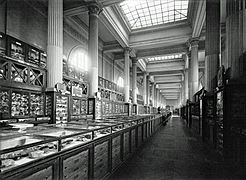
(20,148)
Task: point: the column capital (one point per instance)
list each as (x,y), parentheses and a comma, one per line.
(127,50)
(193,42)
(94,9)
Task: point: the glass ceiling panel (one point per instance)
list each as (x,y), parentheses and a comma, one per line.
(144,13)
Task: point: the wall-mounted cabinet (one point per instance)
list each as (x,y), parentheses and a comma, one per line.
(20,51)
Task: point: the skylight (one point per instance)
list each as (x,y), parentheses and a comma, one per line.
(166,57)
(145,13)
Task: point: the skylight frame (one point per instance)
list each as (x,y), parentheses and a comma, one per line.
(147,13)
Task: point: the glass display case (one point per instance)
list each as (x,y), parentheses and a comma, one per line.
(76,106)
(99,129)
(2,44)
(17,149)
(68,136)
(19,104)
(61,108)
(84,106)
(17,50)
(36,104)
(43,59)
(33,56)
(4,104)
(219,122)
(48,105)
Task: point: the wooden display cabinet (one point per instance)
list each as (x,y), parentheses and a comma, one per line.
(93,159)
(94,108)
(208,118)
(2,44)
(57,106)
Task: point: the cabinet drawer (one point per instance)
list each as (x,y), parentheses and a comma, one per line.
(79,173)
(116,160)
(101,149)
(116,141)
(76,160)
(133,140)
(100,170)
(126,143)
(139,135)
(101,159)
(44,174)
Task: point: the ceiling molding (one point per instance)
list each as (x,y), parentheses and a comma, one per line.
(110,20)
(160,41)
(112,47)
(168,82)
(166,72)
(162,27)
(198,17)
(122,18)
(145,53)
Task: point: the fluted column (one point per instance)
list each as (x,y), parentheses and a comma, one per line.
(158,97)
(194,69)
(236,37)
(148,89)
(127,75)
(186,78)
(153,94)
(94,11)
(55,42)
(144,87)
(212,43)
(134,80)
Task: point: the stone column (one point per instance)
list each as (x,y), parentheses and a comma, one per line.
(134,80)
(158,97)
(144,87)
(127,75)
(94,11)
(148,89)
(55,42)
(153,94)
(212,43)
(194,69)
(189,75)
(236,37)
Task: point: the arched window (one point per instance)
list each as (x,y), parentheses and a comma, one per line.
(120,82)
(78,58)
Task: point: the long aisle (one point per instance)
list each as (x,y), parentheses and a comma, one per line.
(174,153)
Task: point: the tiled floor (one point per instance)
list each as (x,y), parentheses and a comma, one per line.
(174,152)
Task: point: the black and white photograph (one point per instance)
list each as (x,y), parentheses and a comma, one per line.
(122,89)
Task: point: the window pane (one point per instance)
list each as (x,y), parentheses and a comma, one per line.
(153,12)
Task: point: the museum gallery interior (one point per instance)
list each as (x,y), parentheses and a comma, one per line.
(122,89)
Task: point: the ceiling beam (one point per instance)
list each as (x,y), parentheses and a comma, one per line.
(198,17)
(177,34)
(168,82)
(112,47)
(166,72)
(145,53)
